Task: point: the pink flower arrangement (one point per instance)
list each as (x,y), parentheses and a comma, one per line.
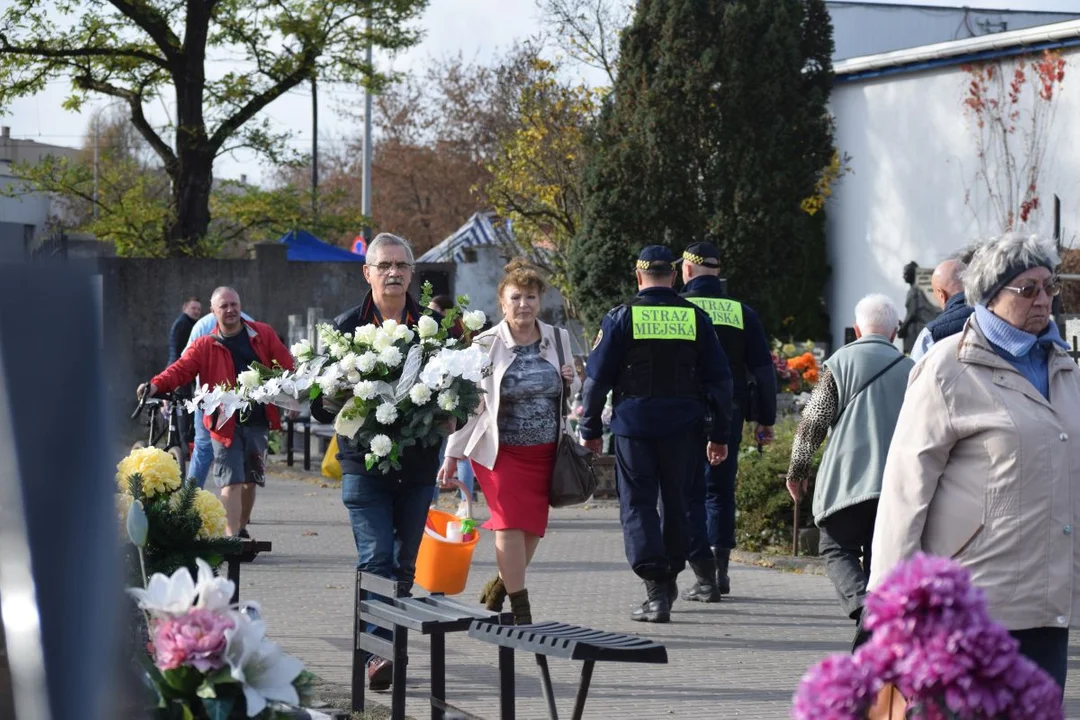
(196,639)
(932,637)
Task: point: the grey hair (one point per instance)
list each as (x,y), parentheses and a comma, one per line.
(220,290)
(876,314)
(387,239)
(1009,254)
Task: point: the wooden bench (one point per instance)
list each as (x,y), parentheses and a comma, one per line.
(320,430)
(393,609)
(249,550)
(553,639)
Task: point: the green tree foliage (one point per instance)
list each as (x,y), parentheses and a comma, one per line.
(717,123)
(150,50)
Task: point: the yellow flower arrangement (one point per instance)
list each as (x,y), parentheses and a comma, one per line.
(160,473)
(212,514)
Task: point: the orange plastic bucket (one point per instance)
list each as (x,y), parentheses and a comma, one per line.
(443,566)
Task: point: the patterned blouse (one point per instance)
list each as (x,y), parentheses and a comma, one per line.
(529,399)
(817,417)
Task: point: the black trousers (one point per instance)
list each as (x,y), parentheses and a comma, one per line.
(846,536)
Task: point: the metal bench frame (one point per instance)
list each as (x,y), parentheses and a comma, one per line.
(564,641)
(396,611)
(249,550)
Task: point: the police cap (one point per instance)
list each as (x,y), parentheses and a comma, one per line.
(656,258)
(702,253)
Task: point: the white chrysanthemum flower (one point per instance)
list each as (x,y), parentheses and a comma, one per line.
(382,341)
(366,362)
(427,326)
(381,445)
(348,362)
(249,378)
(474,319)
(448,400)
(420,394)
(390,357)
(365,390)
(365,335)
(386,413)
(338,350)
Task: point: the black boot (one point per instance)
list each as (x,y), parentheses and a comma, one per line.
(672,592)
(723,582)
(657,608)
(519,605)
(704,590)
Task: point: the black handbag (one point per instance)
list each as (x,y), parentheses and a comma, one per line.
(573,480)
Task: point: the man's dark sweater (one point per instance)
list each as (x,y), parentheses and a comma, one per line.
(178,336)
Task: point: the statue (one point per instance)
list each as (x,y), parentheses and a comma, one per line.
(919,310)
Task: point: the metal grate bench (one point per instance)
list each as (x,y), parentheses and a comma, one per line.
(433,615)
(560,640)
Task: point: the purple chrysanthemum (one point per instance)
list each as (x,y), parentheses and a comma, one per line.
(837,688)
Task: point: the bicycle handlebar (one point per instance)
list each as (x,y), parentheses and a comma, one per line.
(144,397)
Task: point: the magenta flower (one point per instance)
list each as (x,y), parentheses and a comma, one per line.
(196,638)
(837,688)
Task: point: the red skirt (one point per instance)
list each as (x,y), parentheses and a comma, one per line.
(516,489)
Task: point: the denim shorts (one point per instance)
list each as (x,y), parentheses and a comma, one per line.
(244,461)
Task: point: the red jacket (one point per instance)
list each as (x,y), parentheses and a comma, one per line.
(211,361)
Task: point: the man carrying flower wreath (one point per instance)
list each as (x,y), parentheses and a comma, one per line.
(239,443)
(387,511)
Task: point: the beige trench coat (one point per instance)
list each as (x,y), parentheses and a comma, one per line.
(478,440)
(984,470)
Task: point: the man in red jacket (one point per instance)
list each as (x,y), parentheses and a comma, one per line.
(239,443)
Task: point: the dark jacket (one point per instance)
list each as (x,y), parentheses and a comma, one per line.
(418,464)
(952,318)
(178,336)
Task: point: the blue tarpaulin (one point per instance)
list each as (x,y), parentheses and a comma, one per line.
(305,247)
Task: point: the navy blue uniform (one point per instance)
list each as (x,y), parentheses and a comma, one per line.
(712,504)
(658,427)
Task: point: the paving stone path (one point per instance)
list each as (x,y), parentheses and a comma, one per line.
(741,658)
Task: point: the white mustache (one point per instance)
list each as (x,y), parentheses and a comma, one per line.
(393,281)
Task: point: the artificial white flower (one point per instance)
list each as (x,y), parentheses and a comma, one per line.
(215,593)
(348,362)
(173,595)
(329,380)
(353,377)
(365,335)
(419,394)
(435,374)
(302,350)
(365,390)
(381,445)
(402,332)
(448,400)
(339,349)
(390,326)
(450,342)
(390,357)
(474,319)
(249,378)
(386,413)
(427,326)
(263,670)
(366,362)
(382,341)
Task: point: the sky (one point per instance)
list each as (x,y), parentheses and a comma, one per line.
(478,29)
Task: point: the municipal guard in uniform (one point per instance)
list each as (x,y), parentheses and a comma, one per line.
(712,504)
(659,356)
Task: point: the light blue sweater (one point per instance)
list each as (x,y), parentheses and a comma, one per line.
(1029,354)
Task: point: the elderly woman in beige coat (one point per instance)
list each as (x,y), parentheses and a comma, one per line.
(511,440)
(984,460)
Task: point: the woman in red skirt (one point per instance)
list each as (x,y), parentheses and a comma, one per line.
(512,438)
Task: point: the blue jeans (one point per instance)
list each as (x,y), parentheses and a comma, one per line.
(388,518)
(199,467)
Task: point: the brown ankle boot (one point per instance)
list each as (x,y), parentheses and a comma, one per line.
(494,594)
(519,605)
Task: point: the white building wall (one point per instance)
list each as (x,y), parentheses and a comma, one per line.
(913,159)
(16,213)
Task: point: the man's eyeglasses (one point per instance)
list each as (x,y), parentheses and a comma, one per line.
(385,267)
(1030,289)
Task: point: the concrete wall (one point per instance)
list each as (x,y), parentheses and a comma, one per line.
(142,297)
(913,193)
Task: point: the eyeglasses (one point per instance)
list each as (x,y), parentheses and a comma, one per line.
(385,267)
(1030,289)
